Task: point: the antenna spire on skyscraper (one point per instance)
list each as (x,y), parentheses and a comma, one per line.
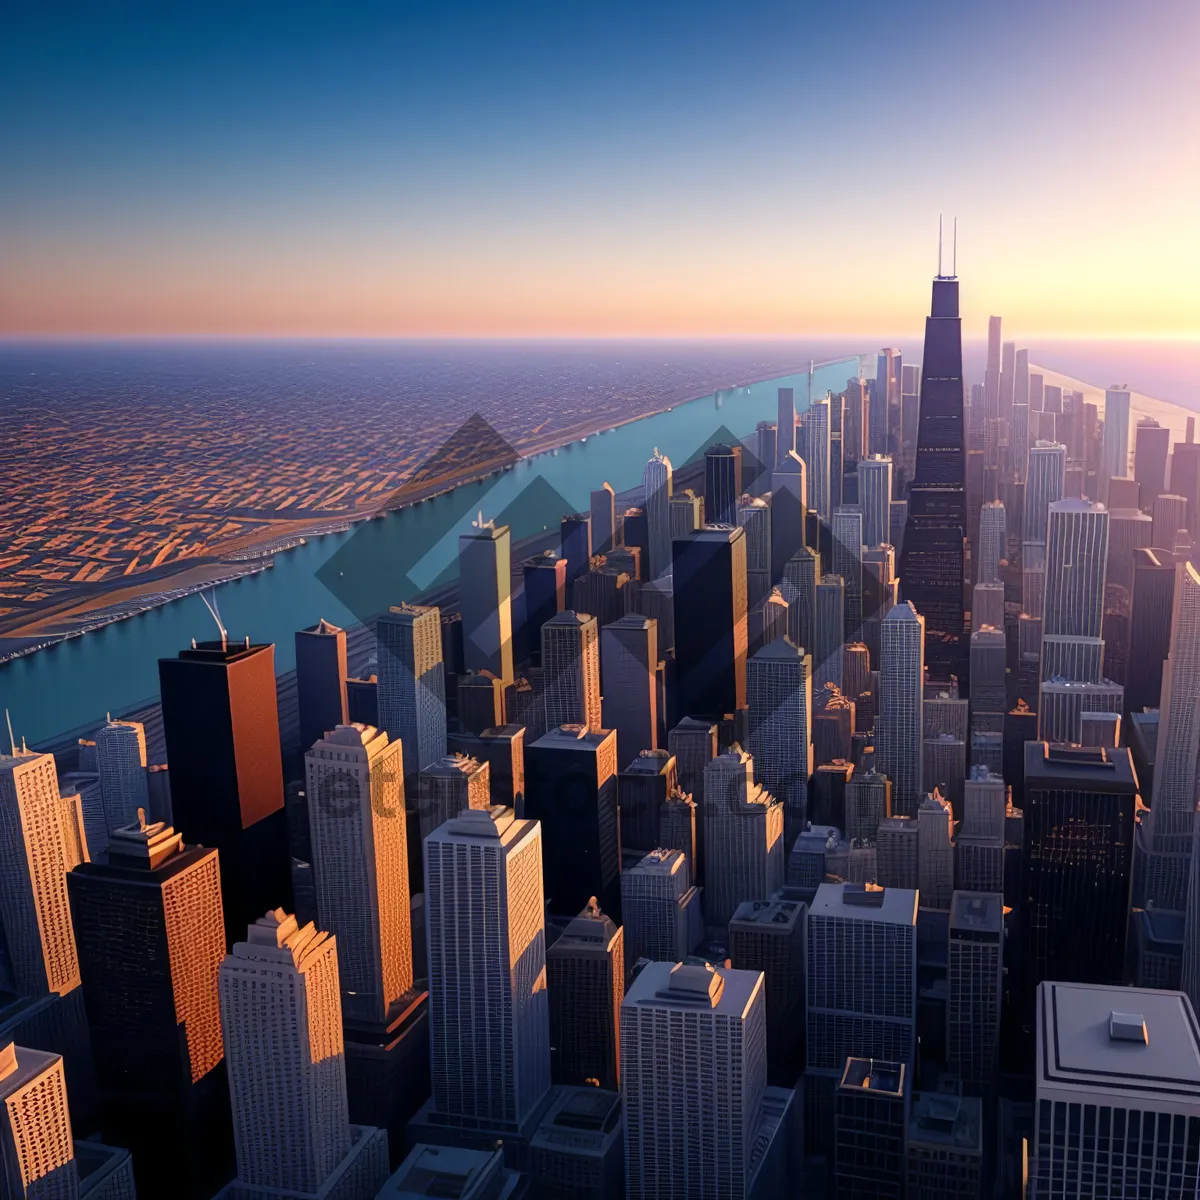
(939,245)
(954,251)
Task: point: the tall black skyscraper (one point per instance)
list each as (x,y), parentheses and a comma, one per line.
(931,566)
(221,722)
(722,483)
(710,621)
(320,682)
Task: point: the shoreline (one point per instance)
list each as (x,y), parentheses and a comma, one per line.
(54,625)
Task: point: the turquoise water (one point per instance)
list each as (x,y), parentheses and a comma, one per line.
(347,577)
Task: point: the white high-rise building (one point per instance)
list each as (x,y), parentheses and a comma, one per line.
(779,696)
(700,1119)
(121,762)
(875,499)
(571,670)
(992,540)
(485,598)
(862,975)
(1172,813)
(412,683)
(1114,454)
(281,1017)
(899,728)
(629,653)
(37,1152)
(659,488)
(744,856)
(356,818)
(1122,1062)
(41,840)
(489,1014)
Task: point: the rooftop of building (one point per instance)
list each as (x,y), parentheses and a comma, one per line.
(1099,768)
(649,762)
(453,766)
(497,823)
(590,929)
(581,1110)
(1163,925)
(569,618)
(1131,1042)
(948,1122)
(660,862)
(572,737)
(777,913)
(220,653)
(875,1075)
(903,612)
(694,985)
(865,902)
(978,912)
(443,1171)
(782,649)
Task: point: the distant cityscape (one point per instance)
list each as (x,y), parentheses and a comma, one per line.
(816,820)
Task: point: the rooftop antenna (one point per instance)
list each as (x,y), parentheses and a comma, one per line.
(939,245)
(954,252)
(215,613)
(12,741)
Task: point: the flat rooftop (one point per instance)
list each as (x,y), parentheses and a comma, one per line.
(1077,1047)
(981,912)
(776,913)
(950,1122)
(895,906)
(655,987)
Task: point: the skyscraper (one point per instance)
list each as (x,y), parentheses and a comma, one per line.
(121,762)
(812,442)
(1149,626)
(847,529)
(935,852)
(660,907)
(779,693)
(1114,459)
(700,1119)
(575,534)
(603,511)
(979,842)
(545,580)
(1151,452)
(830,630)
(789,511)
(862,975)
(489,1009)
(885,396)
(643,786)
(992,538)
(571,670)
(710,621)
(871,1107)
(722,483)
(1169,516)
(899,727)
(875,498)
(221,723)
(868,802)
(1172,811)
(37,1152)
(687,513)
(656,480)
(1127,1060)
(677,826)
(975,978)
(1128,530)
(41,841)
(412,683)
(785,425)
(320,682)
(1047,472)
(754,516)
(799,588)
(744,854)
(629,655)
(1079,816)
(485,597)
(151,939)
(571,789)
(450,785)
(360,862)
(931,570)
(281,1016)
(585,976)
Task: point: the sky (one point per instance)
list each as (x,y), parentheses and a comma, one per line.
(563,168)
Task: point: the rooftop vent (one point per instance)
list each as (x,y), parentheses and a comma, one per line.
(1128,1027)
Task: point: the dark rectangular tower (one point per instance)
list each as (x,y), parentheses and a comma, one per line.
(221,724)
(931,567)
(320,681)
